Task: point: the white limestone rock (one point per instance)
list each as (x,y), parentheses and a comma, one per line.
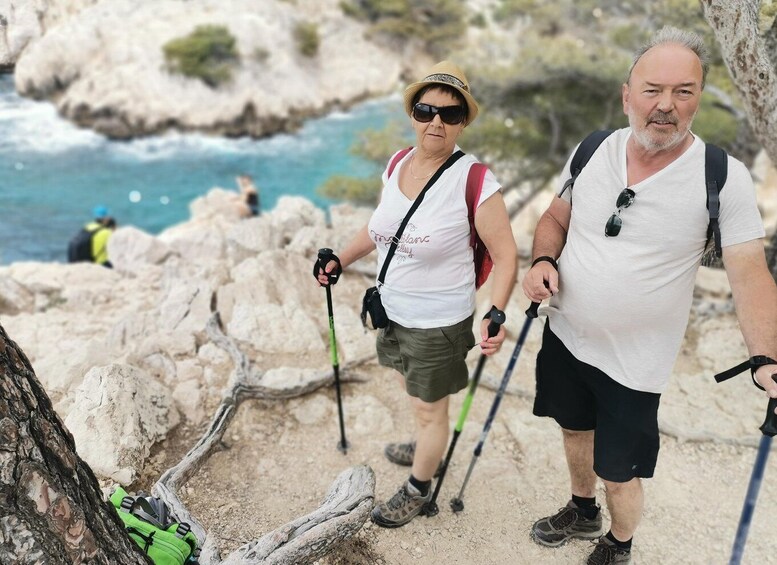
(119,413)
(105,66)
(131,249)
(14,297)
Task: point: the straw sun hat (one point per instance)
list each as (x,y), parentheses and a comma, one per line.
(448,74)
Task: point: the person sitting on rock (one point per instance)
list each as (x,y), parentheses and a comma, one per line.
(250,196)
(90,244)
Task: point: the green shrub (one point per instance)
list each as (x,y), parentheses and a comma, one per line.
(306,36)
(207,54)
(261,54)
(478,20)
(440,24)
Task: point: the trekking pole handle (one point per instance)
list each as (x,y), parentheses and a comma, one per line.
(769,427)
(325,255)
(531,311)
(497,319)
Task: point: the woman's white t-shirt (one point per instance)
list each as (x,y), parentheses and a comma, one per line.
(430,280)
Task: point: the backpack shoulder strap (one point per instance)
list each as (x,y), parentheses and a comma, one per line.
(584,152)
(477,172)
(715,174)
(397,158)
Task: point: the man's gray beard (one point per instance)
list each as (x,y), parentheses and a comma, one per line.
(644,138)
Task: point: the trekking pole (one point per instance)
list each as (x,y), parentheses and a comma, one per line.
(497,319)
(324,256)
(457,504)
(769,430)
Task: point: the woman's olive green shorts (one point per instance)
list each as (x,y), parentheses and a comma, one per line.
(433,361)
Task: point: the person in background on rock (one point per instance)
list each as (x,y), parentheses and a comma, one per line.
(250,196)
(90,244)
(429,290)
(619,301)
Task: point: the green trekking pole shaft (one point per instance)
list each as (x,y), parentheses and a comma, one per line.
(343,444)
(497,319)
(324,256)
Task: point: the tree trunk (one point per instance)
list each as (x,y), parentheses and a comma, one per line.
(51,507)
(750,59)
(735,24)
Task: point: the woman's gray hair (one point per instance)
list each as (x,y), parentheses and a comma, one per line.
(688,39)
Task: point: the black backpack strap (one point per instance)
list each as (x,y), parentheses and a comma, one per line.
(715,174)
(584,152)
(148,540)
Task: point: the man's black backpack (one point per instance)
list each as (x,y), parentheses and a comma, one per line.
(80,247)
(715,172)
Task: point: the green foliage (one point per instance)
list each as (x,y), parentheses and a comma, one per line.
(715,124)
(767,15)
(478,20)
(207,54)
(261,54)
(359,191)
(376,146)
(439,24)
(307,38)
(565,80)
(379,145)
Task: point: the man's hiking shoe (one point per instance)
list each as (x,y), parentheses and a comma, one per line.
(403,453)
(400,453)
(607,553)
(566,524)
(405,505)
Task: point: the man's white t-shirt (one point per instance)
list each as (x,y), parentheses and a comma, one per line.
(623,302)
(430,280)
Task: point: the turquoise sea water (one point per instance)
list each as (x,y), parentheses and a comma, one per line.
(52,174)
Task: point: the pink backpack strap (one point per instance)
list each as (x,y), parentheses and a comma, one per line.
(397,158)
(477,172)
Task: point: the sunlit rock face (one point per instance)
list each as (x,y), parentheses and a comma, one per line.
(104,66)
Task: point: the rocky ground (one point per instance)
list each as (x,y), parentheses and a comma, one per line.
(282,457)
(147,318)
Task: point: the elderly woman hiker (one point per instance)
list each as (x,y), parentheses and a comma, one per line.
(429,288)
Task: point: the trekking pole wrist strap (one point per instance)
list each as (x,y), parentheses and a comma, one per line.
(547,258)
(494,309)
(753,364)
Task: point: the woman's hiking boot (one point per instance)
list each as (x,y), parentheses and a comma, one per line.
(403,453)
(406,504)
(607,553)
(568,523)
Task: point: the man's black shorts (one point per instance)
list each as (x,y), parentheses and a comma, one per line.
(581,397)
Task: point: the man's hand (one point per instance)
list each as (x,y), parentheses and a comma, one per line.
(541,282)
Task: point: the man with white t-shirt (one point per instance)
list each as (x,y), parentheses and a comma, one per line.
(622,290)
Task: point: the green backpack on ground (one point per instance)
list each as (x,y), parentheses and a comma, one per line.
(149,523)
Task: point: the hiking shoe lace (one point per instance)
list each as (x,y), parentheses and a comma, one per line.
(565,517)
(406,504)
(568,523)
(607,553)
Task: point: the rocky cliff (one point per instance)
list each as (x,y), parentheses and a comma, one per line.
(104,67)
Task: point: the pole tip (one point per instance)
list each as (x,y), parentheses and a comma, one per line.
(457,504)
